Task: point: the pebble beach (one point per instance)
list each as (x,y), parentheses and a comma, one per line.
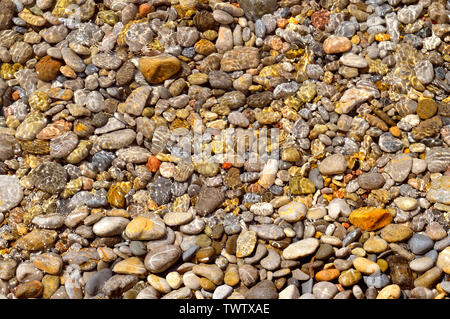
(207,149)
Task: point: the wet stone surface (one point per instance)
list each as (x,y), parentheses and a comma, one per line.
(249,149)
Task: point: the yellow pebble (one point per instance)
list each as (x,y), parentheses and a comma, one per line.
(355,40)
(439,288)
(382,264)
(292,20)
(382,37)
(318,235)
(358,251)
(440,296)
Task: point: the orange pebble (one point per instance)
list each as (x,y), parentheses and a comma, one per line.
(382,37)
(153,164)
(226,165)
(145,9)
(394,130)
(15,95)
(338,194)
(327,274)
(282,23)
(346,225)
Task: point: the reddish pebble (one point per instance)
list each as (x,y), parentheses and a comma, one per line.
(145,9)
(335,44)
(15,96)
(226,165)
(276,43)
(320,19)
(87,183)
(153,164)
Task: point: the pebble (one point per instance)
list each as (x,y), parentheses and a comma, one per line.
(104,118)
(353,60)
(263,290)
(161,258)
(396,233)
(159,68)
(301,248)
(371,181)
(421,264)
(11,192)
(419,244)
(443,260)
(390,292)
(292,212)
(375,245)
(334,164)
(245,243)
(222,292)
(424,71)
(429,278)
(336,44)
(324,290)
(370,218)
(110,226)
(365,265)
(211,272)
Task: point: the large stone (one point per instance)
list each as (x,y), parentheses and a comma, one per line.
(440,190)
(118,284)
(47,69)
(301,248)
(110,226)
(334,164)
(255,9)
(11,192)
(7,8)
(245,243)
(394,233)
(399,167)
(262,290)
(371,181)
(130,266)
(211,272)
(438,159)
(292,212)
(135,102)
(50,177)
(144,228)
(336,44)
(161,258)
(353,97)
(116,140)
(240,58)
(443,260)
(208,200)
(159,68)
(400,271)
(51,263)
(370,218)
(353,60)
(37,239)
(31,126)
